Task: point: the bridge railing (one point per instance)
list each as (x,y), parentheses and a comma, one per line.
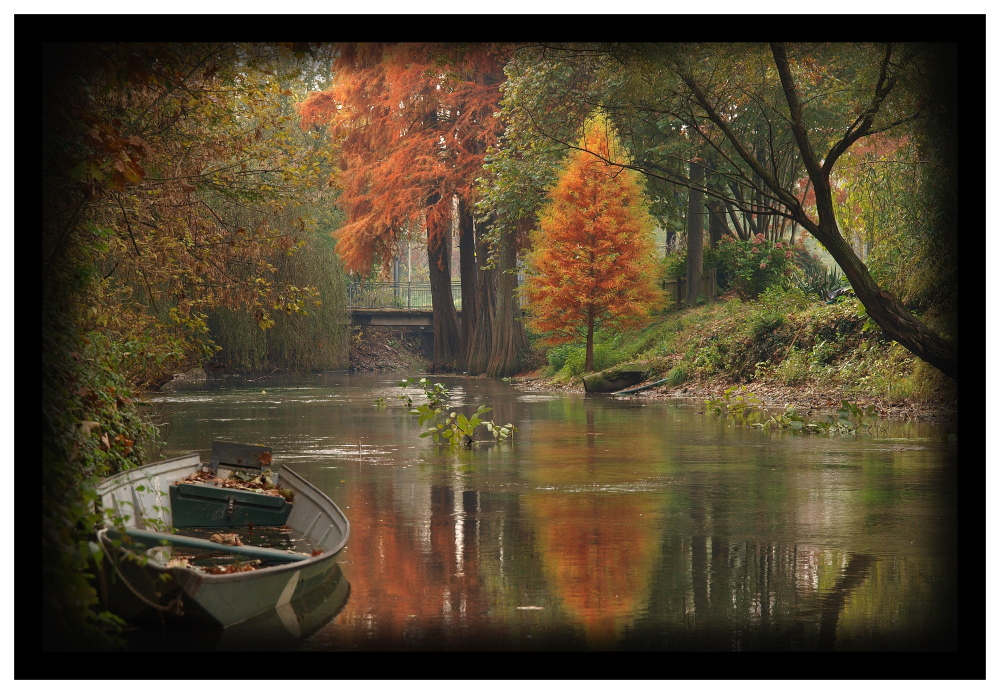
(396,295)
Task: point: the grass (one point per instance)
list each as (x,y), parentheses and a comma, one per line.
(784,338)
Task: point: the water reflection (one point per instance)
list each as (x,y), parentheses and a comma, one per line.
(609,524)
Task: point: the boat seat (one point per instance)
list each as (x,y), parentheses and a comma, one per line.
(205,505)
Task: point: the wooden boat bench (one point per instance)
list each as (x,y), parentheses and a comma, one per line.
(205,505)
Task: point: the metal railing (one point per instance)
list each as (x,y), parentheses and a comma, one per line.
(403,296)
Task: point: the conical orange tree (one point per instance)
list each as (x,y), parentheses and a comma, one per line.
(593,261)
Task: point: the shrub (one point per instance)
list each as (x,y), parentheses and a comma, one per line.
(674,265)
(820,282)
(557,357)
(795,369)
(753,266)
(605,356)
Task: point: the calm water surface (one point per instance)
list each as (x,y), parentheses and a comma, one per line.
(608,524)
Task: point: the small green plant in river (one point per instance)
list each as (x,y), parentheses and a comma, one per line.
(456,429)
(437,395)
(459,429)
(746,409)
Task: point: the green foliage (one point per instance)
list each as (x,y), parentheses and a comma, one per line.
(794,369)
(753,266)
(674,265)
(820,282)
(676,376)
(437,395)
(605,356)
(568,360)
(456,429)
(740,407)
(888,371)
(557,357)
(92,426)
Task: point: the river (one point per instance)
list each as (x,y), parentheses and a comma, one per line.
(606,524)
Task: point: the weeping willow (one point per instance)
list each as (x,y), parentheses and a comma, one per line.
(316,341)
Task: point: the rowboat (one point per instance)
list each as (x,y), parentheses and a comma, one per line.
(217,543)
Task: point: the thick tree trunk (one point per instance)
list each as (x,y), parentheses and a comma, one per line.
(447,342)
(470,282)
(480,345)
(695,234)
(509,340)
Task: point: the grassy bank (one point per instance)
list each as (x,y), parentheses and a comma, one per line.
(785,347)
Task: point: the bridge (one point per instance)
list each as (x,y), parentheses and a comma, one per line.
(405,305)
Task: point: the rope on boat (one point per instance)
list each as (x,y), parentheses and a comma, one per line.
(175,606)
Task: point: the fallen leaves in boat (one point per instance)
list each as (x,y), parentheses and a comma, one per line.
(227,539)
(261,484)
(234,568)
(179,561)
(183,561)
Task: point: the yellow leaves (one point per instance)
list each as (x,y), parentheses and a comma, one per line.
(227,539)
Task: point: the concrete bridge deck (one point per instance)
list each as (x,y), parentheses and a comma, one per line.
(396,304)
(411,319)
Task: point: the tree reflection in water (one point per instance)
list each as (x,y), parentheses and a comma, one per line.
(612,525)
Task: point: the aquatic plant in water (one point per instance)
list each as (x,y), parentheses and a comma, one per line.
(456,428)
(746,409)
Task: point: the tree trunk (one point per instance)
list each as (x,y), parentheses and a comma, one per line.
(717,226)
(480,344)
(447,342)
(695,234)
(588,364)
(883,307)
(470,282)
(510,342)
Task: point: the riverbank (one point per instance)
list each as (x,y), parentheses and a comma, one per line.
(385,349)
(810,400)
(785,349)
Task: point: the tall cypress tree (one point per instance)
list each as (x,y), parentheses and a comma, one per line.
(593,259)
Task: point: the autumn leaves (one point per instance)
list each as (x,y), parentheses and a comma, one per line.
(592,262)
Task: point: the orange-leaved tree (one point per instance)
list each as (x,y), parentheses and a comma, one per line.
(413,122)
(593,260)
